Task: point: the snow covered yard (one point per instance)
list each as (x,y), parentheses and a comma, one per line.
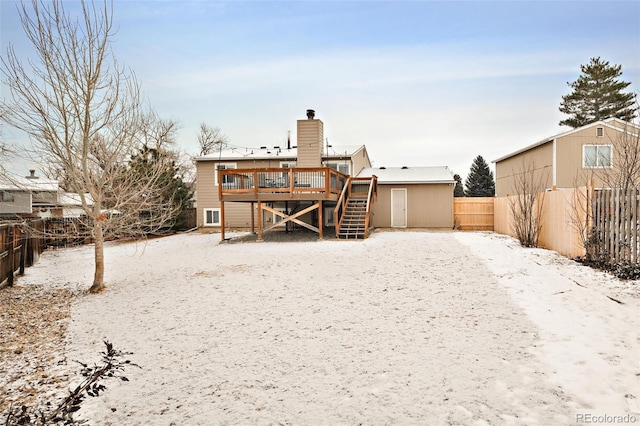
(403,328)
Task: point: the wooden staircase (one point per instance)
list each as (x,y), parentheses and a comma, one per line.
(352,215)
(353,223)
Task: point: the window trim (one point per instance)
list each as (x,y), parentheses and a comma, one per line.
(276,219)
(7,197)
(339,163)
(228,166)
(289,165)
(328,216)
(204,217)
(596,166)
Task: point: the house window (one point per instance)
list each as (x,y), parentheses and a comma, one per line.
(225,166)
(599,132)
(597,156)
(328,216)
(6,197)
(211,217)
(341,167)
(277,218)
(285,175)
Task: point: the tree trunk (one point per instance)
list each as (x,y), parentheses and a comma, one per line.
(98,277)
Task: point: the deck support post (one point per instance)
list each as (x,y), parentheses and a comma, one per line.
(259,220)
(286,210)
(253,218)
(221,220)
(320,220)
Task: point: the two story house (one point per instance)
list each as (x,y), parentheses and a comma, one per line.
(314,185)
(278,185)
(568,159)
(26,196)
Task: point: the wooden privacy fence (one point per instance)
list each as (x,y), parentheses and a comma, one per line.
(473,213)
(615,224)
(568,216)
(18,250)
(562,213)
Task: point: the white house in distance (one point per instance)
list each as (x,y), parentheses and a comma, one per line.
(26,195)
(35,196)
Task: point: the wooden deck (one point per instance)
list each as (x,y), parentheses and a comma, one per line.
(318,185)
(280,184)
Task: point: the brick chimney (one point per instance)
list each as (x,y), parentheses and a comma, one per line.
(310,137)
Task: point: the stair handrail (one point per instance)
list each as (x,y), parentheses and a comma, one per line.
(373,184)
(337,221)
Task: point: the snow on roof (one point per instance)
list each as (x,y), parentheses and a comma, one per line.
(73,199)
(434,174)
(19,183)
(276,153)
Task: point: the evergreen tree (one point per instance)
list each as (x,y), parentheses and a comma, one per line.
(458,191)
(175,195)
(480,182)
(598,94)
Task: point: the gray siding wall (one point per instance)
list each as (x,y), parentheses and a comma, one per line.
(21,203)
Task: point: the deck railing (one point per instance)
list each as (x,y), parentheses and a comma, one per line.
(292,181)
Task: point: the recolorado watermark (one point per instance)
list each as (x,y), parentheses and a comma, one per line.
(588,418)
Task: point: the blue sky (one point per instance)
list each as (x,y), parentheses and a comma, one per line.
(419,83)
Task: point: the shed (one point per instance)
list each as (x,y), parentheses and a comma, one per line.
(413,197)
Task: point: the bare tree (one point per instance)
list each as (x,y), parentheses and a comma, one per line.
(622,168)
(616,167)
(84,116)
(211,139)
(527,205)
(580,213)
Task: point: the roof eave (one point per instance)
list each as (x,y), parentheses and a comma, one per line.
(605,122)
(413,182)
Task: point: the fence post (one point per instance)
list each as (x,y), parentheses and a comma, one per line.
(23,252)
(10,247)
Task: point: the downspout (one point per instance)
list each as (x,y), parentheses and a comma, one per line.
(554,182)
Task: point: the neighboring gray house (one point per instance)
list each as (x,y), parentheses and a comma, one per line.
(26,195)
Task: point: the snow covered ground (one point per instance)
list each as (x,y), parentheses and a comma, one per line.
(430,328)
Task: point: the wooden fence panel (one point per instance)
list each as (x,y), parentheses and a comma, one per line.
(18,249)
(615,222)
(13,254)
(557,232)
(473,213)
(560,209)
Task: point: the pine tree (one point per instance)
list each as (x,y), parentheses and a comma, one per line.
(598,94)
(458,191)
(480,182)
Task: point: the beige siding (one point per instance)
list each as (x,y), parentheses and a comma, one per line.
(428,205)
(569,170)
(359,161)
(310,137)
(237,215)
(508,169)
(570,173)
(206,192)
(21,203)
